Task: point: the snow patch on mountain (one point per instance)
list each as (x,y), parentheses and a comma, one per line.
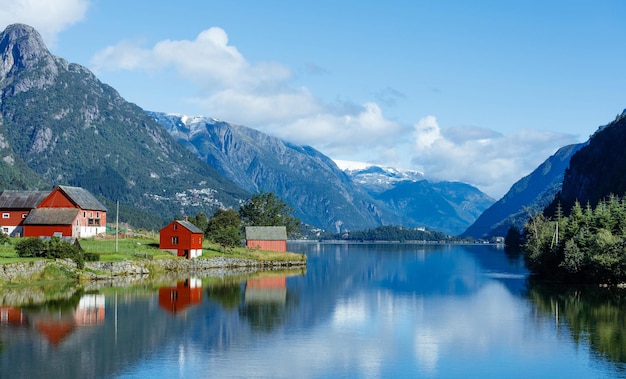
(377,178)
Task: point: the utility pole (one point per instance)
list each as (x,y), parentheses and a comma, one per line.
(117,223)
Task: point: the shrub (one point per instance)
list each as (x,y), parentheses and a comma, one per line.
(54,248)
(30,247)
(91,257)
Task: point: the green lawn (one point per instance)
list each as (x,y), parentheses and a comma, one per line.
(147,248)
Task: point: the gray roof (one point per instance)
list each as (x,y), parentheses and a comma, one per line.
(266,233)
(191,227)
(83,198)
(11,199)
(51,216)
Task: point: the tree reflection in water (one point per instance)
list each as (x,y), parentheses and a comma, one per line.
(596,315)
(263,300)
(226,292)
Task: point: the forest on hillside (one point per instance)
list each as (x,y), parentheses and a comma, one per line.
(586,246)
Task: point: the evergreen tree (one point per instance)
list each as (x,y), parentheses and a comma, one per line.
(592,247)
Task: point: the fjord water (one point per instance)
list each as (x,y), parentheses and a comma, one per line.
(359,311)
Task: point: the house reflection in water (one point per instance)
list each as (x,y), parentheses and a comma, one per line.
(12,316)
(180,297)
(90,310)
(55,329)
(266,289)
(57,326)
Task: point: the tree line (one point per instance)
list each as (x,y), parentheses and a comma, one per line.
(389,233)
(586,246)
(225,226)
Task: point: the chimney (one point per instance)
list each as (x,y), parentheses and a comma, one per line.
(185,218)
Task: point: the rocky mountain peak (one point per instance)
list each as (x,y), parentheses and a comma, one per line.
(21,47)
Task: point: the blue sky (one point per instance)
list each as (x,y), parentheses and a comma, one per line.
(480,92)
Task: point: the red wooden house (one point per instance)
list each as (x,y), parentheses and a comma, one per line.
(272,238)
(66,212)
(15,207)
(181,238)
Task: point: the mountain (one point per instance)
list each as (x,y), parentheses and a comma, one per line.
(60,125)
(597,170)
(529,195)
(377,179)
(319,192)
(449,207)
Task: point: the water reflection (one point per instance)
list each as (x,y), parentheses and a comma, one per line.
(12,316)
(266,301)
(365,311)
(262,299)
(56,319)
(594,316)
(175,299)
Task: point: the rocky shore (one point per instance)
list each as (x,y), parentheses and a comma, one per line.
(25,272)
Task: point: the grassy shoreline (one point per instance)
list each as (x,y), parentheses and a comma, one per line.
(139,248)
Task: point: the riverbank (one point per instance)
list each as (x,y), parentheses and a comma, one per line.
(46,270)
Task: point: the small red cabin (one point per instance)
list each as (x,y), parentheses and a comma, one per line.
(272,238)
(181,238)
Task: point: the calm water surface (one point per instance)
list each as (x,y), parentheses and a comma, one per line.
(362,311)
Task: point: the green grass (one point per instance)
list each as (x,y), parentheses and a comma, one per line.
(147,248)
(125,248)
(214,250)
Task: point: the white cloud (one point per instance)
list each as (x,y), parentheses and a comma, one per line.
(262,95)
(47,17)
(231,88)
(484,158)
(364,135)
(208,61)
(254,108)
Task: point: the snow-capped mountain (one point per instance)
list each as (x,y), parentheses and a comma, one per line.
(377,179)
(444,206)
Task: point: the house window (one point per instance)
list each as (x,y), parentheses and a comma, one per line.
(5,230)
(175,226)
(93,222)
(24,215)
(5,215)
(84,214)
(174,240)
(98,214)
